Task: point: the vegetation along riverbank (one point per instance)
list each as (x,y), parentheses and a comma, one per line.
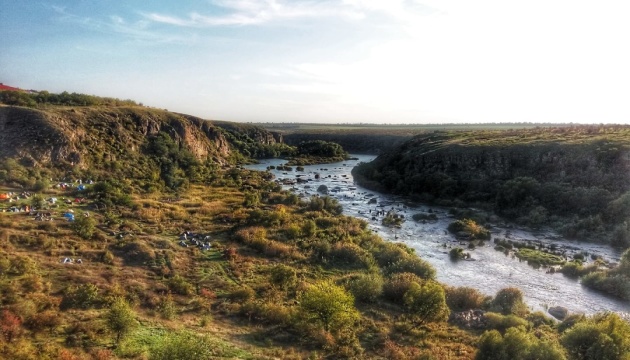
(133,233)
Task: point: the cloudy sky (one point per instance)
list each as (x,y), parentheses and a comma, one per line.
(384,61)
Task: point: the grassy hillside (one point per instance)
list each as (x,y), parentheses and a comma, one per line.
(121,244)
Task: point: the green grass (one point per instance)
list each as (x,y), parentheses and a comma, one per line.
(539,257)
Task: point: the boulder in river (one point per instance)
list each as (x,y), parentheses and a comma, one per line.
(558,312)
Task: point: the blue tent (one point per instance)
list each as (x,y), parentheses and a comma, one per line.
(69,216)
(81,187)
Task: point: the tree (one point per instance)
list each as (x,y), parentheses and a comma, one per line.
(604,336)
(426,302)
(10,325)
(509,301)
(517,344)
(84,226)
(120,318)
(329,305)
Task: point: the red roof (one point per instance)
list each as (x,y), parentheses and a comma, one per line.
(8,88)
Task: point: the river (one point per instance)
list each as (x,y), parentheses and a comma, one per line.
(488,271)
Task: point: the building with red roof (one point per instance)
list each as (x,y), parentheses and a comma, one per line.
(8,88)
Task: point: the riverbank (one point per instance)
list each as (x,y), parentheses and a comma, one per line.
(488,270)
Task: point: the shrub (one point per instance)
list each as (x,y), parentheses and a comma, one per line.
(352,255)
(180,285)
(426,302)
(517,344)
(242,294)
(465,298)
(458,253)
(387,253)
(470,228)
(509,301)
(366,287)
(397,285)
(603,336)
(83,296)
(328,305)
(283,276)
(120,318)
(503,322)
(414,265)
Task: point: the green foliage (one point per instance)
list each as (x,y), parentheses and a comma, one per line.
(181,345)
(20,98)
(509,301)
(398,284)
(412,264)
(252,199)
(538,257)
(176,163)
(393,220)
(111,192)
(81,297)
(465,298)
(500,322)
(120,318)
(569,178)
(324,203)
(366,288)
(84,226)
(328,305)
(470,228)
(283,276)
(426,302)
(517,344)
(179,285)
(601,337)
(458,253)
(321,148)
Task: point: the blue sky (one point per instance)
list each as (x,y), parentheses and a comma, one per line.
(384,61)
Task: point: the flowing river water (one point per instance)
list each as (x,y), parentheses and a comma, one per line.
(488,270)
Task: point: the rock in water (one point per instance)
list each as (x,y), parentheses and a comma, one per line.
(558,312)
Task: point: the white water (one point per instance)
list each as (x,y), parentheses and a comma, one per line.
(489,271)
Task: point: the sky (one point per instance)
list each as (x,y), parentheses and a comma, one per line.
(337,61)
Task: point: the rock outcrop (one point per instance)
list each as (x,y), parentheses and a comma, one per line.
(86,136)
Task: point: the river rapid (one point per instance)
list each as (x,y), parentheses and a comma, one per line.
(488,270)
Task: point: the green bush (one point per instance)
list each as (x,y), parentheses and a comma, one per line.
(426,302)
(84,226)
(397,285)
(366,287)
(465,298)
(503,322)
(412,264)
(603,336)
(509,301)
(179,285)
(82,297)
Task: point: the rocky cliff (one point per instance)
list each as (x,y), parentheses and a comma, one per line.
(87,136)
(576,178)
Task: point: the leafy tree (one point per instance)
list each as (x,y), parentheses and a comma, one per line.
(367,287)
(426,302)
(509,301)
(84,226)
(283,276)
(120,318)
(329,305)
(604,336)
(517,344)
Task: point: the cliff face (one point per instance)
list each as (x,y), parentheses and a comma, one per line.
(87,136)
(467,158)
